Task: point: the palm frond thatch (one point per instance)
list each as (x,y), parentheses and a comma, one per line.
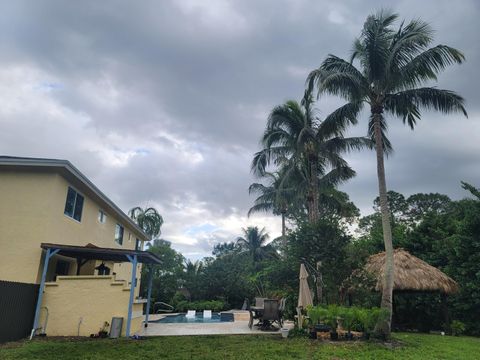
(411,273)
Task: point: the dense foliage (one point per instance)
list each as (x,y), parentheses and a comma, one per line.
(445,234)
(442,232)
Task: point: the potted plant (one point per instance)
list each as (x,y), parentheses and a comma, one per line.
(332,321)
(322,315)
(348,316)
(363,319)
(314,318)
(103,333)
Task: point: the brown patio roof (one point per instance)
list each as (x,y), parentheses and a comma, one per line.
(92,252)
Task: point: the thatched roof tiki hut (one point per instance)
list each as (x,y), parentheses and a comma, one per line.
(411,275)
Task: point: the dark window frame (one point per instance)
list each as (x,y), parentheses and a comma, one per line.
(138,244)
(74,209)
(121,233)
(102,216)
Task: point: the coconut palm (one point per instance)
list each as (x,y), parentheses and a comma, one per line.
(276,197)
(254,242)
(193,268)
(307,149)
(393,66)
(147,219)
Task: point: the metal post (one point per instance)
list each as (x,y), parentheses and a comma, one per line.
(133,260)
(149,293)
(48,255)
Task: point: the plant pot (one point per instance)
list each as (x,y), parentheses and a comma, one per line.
(312,333)
(284,332)
(333,336)
(349,336)
(322,328)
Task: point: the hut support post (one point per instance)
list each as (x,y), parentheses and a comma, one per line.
(446,315)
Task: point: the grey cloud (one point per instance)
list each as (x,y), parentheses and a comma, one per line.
(178,93)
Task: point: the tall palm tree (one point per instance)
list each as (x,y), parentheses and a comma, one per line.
(193,268)
(147,219)
(254,241)
(393,66)
(274,197)
(307,149)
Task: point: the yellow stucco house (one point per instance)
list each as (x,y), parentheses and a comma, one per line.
(66,252)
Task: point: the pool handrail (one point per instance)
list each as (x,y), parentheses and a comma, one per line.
(169,310)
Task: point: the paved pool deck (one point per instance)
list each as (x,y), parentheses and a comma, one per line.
(236,327)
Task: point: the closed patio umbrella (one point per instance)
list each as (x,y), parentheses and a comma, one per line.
(304,294)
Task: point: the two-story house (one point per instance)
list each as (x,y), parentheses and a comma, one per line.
(66,248)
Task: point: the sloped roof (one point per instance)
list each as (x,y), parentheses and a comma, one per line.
(411,273)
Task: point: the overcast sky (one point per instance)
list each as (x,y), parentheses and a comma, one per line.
(162,103)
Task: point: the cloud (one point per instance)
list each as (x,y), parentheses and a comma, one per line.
(163,103)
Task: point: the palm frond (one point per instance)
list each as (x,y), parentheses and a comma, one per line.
(339,145)
(345,85)
(376,38)
(445,101)
(407,42)
(336,176)
(425,66)
(336,123)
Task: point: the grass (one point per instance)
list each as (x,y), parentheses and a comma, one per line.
(407,346)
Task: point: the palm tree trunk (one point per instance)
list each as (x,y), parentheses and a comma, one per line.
(312,201)
(383,327)
(284,238)
(319,282)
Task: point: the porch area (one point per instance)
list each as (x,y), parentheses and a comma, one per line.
(79,305)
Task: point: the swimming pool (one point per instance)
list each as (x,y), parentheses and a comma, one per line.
(180,318)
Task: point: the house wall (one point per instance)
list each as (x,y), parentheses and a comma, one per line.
(32,211)
(87,301)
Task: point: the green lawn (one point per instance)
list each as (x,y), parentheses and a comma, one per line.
(407,346)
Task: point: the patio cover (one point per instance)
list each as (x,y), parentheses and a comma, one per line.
(92,252)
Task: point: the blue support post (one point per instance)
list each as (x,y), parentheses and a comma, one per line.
(149,293)
(133,260)
(48,255)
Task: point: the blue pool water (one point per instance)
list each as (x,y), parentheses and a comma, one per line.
(180,318)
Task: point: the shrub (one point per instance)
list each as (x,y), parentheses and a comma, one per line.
(316,314)
(348,317)
(332,317)
(214,305)
(458,328)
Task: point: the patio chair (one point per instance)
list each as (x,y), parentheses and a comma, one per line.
(259,301)
(207,314)
(190,314)
(271,314)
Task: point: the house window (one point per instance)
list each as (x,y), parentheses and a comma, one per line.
(74,204)
(102,217)
(138,244)
(119,234)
